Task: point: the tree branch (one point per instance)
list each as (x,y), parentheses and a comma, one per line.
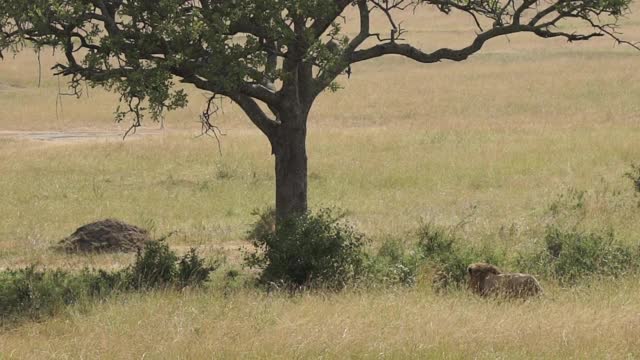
(326,76)
(255,114)
(321,24)
(413,53)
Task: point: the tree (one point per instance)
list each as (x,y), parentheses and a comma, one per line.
(271,57)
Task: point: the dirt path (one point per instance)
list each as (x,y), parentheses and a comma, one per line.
(76,135)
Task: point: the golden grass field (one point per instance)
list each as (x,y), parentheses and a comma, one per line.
(492,141)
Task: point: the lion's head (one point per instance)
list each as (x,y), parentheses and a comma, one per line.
(478,272)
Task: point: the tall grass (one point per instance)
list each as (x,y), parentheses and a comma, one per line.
(597,322)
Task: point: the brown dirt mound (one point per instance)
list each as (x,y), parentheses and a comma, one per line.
(108,235)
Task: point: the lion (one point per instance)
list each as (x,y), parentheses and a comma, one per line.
(487,280)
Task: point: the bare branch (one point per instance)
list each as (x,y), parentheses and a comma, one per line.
(387,7)
(208,128)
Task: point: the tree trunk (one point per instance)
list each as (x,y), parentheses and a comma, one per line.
(289,147)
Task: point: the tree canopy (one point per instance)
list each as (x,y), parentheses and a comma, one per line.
(279,53)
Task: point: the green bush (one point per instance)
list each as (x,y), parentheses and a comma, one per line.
(264,226)
(29,293)
(157,266)
(33,294)
(392,264)
(101,283)
(435,242)
(441,248)
(154,267)
(311,250)
(570,256)
(192,270)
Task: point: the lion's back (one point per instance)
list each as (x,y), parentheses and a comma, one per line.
(518,284)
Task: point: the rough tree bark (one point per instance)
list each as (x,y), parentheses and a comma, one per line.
(291,169)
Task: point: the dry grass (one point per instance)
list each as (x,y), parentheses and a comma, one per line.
(496,139)
(600,322)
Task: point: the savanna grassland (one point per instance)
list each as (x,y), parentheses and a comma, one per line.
(526,133)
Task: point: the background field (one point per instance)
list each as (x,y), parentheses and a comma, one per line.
(493,142)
